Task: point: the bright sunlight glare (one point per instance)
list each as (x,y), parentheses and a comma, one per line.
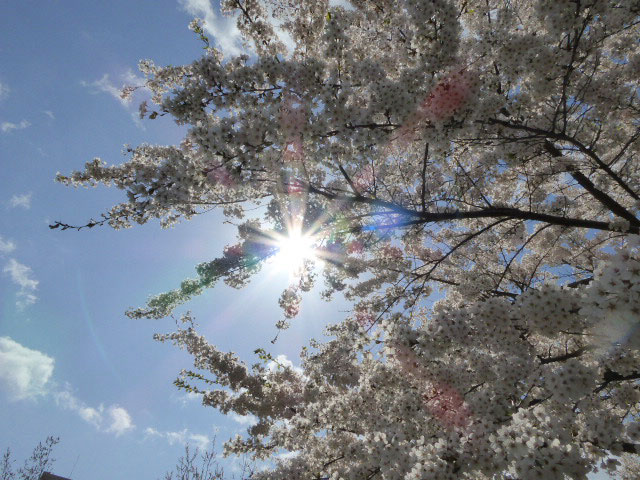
(294,249)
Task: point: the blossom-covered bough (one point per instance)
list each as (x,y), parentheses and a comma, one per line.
(483,150)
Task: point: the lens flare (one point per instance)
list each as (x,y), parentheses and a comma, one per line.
(293,250)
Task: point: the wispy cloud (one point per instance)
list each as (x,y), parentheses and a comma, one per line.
(25,373)
(287,455)
(49,114)
(119,420)
(131,79)
(247,420)
(68,401)
(7,127)
(6,246)
(21,275)
(186,398)
(222,29)
(183,437)
(113,419)
(285,362)
(23,201)
(4,91)
(116,88)
(106,85)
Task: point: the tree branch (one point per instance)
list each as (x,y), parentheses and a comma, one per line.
(562,358)
(493,212)
(582,147)
(588,185)
(424,180)
(630,447)
(611,376)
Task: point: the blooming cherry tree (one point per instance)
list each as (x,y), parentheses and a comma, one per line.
(485,151)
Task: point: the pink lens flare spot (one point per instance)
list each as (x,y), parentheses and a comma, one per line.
(448,96)
(444,100)
(295,187)
(221,176)
(447,405)
(441,400)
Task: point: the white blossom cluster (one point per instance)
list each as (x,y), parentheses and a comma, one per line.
(468,392)
(482,150)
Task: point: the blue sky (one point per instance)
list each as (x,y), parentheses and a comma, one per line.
(71,364)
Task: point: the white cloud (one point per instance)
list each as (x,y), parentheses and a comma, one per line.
(116,90)
(283,35)
(7,127)
(24,372)
(107,86)
(6,247)
(66,399)
(222,29)
(4,91)
(25,299)
(186,398)
(21,275)
(114,419)
(284,361)
(23,201)
(120,420)
(131,79)
(183,437)
(90,415)
(248,420)
(287,455)
(49,114)
(200,441)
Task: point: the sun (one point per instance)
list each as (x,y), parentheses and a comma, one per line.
(293,250)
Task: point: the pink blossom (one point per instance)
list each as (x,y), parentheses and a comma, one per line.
(364,318)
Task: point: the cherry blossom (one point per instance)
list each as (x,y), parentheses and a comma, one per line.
(469,173)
